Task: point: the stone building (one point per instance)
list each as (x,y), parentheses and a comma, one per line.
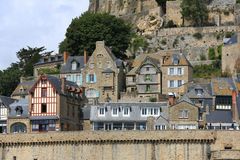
(48,64)
(72,68)
(184,114)
(145,79)
(18,117)
(104,76)
(231,55)
(177,72)
(55,104)
(129,116)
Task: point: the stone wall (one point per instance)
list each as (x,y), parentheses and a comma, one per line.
(141,145)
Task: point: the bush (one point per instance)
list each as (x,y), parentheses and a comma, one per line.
(211,53)
(197,35)
(229,34)
(153,99)
(238,1)
(203,57)
(170,24)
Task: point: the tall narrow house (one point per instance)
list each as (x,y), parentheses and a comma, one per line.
(55,104)
(104,78)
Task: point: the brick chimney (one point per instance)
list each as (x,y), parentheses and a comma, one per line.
(234,106)
(63,85)
(171,99)
(85,56)
(65,57)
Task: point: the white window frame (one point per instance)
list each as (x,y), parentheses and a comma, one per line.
(184,114)
(115,115)
(179,71)
(171,73)
(145,112)
(128,111)
(170,84)
(99,111)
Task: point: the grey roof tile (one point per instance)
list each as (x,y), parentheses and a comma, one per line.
(67,68)
(218,116)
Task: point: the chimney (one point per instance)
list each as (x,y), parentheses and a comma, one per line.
(65,57)
(234,106)
(63,85)
(171,99)
(100,44)
(85,56)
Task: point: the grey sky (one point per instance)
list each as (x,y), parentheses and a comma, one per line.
(34,23)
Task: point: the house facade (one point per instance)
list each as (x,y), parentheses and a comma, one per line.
(72,68)
(129,116)
(55,105)
(103,75)
(184,115)
(145,80)
(177,73)
(4,110)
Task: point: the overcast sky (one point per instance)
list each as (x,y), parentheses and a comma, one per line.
(34,23)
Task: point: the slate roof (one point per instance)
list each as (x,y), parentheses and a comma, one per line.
(192,91)
(23,103)
(135,112)
(6,100)
(50,59)
(222,86)
(184,98)
(26,86)
(232,40)
(86,112)
(67,68)
(219,117)
(182,60)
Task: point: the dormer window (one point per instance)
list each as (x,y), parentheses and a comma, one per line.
(19,110)
(199,92)
(74,66)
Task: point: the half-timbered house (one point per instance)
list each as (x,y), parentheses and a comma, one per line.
(55,104)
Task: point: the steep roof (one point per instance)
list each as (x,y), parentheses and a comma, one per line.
(222,86)
(176,59)
(67,68)
(193,94)
(23,103)
(23,88)
(6,100)
(50,59)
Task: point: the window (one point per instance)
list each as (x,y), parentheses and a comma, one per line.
(44,108)
(171,83)
(44,81)
(68,77)
(147,88)
(179,83)
(91,77)
(44,92)
(115,111)
(107,75)
(74,66)
(144,111)
(101,111)
(199,91)
(171,71)
(19,110)
(160,127)
(126,111)
(148,77)
(156,111)
(179,71)
(183,114)
(14,158)
(91,65)
(147,68)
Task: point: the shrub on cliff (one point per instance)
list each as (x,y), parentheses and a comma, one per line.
(195,11)
(84,31)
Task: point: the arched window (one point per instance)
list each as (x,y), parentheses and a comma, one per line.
(18,128)
(19,110)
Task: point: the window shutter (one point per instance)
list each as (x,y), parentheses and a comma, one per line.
(168,71)
(168,84)
(87,78)
(182,82)
(182,71)
(95,78)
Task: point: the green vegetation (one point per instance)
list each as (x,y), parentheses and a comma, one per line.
(138,42)
(211,54)
(153,99)
(195,11)
(215,54)
(229,34)
(203,57)
(198,35)
(170,24)
(49,71)
(207,71)
(238,1)
(84,31)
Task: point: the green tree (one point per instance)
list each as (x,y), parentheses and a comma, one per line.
(195,11)
(9,79)
(137,42)
(84,31)
(28,57)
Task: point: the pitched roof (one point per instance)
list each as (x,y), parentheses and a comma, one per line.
(67,68)
(6,100)
(219,117)
(184,98)
(193,94)
(222,86)
(176,59)
(23,103)
(23,88)
(50,59)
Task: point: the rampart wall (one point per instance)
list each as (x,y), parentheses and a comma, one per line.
(132,145)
